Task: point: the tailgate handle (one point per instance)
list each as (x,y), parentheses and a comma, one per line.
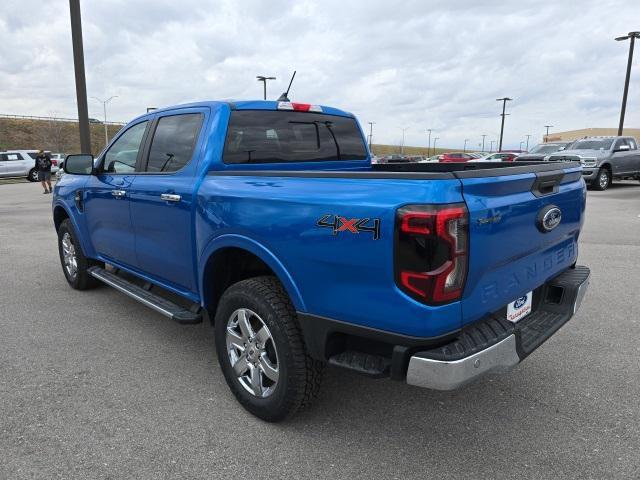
(546,183)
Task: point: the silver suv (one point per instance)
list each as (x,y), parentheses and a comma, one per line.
(22,163)
(603,159)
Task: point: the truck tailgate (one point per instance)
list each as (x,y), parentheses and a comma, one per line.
(510,252)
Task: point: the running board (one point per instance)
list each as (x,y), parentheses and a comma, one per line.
(161,305)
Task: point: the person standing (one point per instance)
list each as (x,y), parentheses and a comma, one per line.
(43,167)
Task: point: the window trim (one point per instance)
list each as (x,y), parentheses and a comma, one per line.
(144,160)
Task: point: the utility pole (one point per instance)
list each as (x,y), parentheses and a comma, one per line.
(371,124)
(631,36)
(434,144)
(104,107)
(504,101)
(402,145)
(546,137)
(484,135)
(527,142)
(429,144)
(464,149)
(81,84)
(491,147)
(264,79)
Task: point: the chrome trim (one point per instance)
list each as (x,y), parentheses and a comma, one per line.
(118,193)
(144,301)
(170,197)
(582,290)
(443,375)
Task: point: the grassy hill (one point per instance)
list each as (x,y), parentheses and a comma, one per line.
(56,136)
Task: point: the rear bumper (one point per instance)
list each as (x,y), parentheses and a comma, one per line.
(496,345)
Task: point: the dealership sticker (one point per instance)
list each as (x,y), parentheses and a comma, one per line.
(519,308)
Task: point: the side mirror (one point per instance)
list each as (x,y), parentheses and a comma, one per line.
(622,148)
(79,164)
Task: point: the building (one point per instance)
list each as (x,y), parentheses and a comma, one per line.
(590,132)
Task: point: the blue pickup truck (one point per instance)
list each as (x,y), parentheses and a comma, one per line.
(269,220)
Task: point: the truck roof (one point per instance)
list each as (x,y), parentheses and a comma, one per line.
(245,105)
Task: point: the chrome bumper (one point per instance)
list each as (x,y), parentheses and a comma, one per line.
(500,357)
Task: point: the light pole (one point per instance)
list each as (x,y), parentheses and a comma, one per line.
(483,141)
(434,144)
(104,108)
(264,79)
(631,36)
(527,142)
(429,143)
(546,137)
(521,145)
(81,84)
(371,124)
(491,147)
(402,144)
(464,149)
(504,101)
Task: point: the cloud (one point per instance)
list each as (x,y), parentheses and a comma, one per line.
(414,64)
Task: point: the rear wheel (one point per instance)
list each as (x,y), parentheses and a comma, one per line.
(603,180)
(32,176)
(261,351)
(74,264)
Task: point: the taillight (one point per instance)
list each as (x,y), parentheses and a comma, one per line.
(431,251)
(54,163)
(299,107)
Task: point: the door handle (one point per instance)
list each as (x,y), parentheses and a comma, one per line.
(170,197)
(118,193)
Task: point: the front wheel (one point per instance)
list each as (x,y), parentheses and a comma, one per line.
(32,176)
(603,180)
(74,264)
(261,350)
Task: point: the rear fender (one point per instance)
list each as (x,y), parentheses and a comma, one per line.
(260,251)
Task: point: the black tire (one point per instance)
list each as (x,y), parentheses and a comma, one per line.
(300,375)
(602,180)
(81,280)
(32,176)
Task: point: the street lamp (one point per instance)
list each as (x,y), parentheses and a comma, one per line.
(371,124)
(504,101)
(631,36)
(402,144)
(527,142)
(104,107)
(429,144)
(264,79)
(484,135)
(491,147)
(464,149)
(434,144)
(546,137)
(521,145)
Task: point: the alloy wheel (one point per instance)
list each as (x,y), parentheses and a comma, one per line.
(69,256)
(252,353)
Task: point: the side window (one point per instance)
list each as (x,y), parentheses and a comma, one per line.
(632,143)
(3,157)
(121,157)
(173,142)
(619,142)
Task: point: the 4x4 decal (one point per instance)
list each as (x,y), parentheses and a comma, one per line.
(353,225)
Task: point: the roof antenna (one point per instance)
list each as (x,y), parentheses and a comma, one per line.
(285,96)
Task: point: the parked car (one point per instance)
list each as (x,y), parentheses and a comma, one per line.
(478,154)
(432,159)
(497,157)
(59,159)
(603,159)
(455,157)
(268,218)
(22,163)
(542,151)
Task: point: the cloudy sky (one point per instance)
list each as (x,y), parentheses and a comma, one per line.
(412,64)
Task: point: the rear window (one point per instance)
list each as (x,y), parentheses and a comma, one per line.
(258,136)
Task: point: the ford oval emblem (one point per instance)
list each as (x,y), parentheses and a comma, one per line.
(520,302)
(549,218)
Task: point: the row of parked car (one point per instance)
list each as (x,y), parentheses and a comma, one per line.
(603,159)
(22,163)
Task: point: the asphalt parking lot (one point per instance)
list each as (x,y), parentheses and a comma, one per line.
(95,385)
